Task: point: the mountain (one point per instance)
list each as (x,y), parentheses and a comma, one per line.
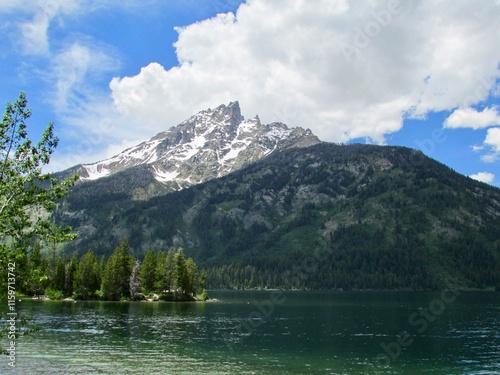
(323,216)
(208,145)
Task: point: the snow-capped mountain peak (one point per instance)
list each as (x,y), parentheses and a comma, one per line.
(210,144)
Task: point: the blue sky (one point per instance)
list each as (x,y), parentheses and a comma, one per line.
(112,73)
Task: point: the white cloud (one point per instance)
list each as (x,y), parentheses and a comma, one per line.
(30,25)
(32,35)
(343,69)
(95,144)
(72,68)
(486,177)
(492,141)
(487,118)
(63,65)
(493,138)
(471,118)
(87,112)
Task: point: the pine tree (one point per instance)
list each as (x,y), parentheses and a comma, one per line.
(202,285)
(116,277)
(102,266)
(69,276)
(159,270)
(165,271)
(87,277)
(170,270)
(37,269)
(191,276)
(148,272)
(181,271)
(58,278)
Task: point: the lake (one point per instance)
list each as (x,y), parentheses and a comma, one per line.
(267,332)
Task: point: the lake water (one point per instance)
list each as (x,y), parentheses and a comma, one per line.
(447,332)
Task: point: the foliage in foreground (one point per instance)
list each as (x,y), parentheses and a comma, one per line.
(26,193)
(27,196)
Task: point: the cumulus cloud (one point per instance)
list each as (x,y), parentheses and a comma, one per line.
(493,138)
(492,142)
(472,118)
(344,69)
(486,177)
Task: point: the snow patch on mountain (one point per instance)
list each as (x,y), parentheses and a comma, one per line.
(163,176)
(95,171)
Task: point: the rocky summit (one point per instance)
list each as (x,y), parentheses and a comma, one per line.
(208,145)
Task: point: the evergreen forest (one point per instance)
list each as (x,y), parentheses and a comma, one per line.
(167,276)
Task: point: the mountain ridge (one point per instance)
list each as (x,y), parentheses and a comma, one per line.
(208,145)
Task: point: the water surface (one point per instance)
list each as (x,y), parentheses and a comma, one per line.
(267,333)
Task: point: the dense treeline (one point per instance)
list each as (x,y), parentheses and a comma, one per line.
(169,275)
(363,256)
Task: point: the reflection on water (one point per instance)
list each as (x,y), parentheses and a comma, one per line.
(242,333)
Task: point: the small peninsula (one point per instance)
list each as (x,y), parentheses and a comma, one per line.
(161,276)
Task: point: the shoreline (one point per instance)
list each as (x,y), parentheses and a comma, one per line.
(212,300)
(149,300)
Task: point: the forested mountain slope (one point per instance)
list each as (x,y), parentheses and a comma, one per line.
(325,216)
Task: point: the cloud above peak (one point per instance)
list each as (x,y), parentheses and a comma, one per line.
(344,69)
